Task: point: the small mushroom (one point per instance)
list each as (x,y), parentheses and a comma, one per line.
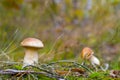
(87,54)
(31,46)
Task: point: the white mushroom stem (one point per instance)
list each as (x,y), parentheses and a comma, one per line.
(94,61)
(31,57)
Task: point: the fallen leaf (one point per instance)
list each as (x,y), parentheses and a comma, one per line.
(115,73)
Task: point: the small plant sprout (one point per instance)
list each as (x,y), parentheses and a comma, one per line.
(87,54)
(31,46)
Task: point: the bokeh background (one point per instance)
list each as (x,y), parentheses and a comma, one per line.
(64,26)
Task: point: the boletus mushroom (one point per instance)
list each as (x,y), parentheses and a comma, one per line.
(31,45)
(87,54)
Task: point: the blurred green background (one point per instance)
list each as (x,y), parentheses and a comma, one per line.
(64,26)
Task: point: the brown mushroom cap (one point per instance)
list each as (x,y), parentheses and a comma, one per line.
(87,52)
(32,42)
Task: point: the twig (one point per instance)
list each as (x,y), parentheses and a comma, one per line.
(10,62)
(68,73)
(14,72)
